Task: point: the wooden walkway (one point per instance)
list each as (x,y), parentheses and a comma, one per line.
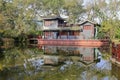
(74,42)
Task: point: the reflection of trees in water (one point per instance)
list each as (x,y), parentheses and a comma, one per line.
(105,52)
(6,43)
(105,49)
(115,71)
(78,73)
(16,56)
(94,73)
(73,72)
(12,65)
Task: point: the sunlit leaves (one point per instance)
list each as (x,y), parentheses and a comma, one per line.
(106,26)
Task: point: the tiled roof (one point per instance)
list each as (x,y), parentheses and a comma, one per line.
(52,17)
(87,21)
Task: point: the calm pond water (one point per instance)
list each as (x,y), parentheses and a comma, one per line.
(57,63)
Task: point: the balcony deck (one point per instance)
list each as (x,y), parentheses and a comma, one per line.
(60,28)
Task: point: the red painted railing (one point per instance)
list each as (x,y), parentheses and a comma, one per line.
(66,42)
(116,51)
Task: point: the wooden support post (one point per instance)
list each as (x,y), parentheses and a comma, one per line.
(43,35)
(68,35)
(60,34)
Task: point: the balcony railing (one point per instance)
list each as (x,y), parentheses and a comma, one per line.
(62,27)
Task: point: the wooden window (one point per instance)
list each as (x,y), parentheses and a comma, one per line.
(49,23)
(71,33)
(64,33)
(76,33)
(87,27)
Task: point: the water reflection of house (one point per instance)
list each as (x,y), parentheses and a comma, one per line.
(86,55)
(62,50)
(53,60)
(57,28)
(50,49)
(7,43)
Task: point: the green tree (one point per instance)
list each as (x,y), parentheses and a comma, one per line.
(107,14)
(16,15)
(74,9)
(52,6)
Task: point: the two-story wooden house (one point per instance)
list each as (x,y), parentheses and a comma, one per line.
(57,28)
(56,31)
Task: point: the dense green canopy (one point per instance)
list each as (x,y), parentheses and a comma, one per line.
(18,16)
